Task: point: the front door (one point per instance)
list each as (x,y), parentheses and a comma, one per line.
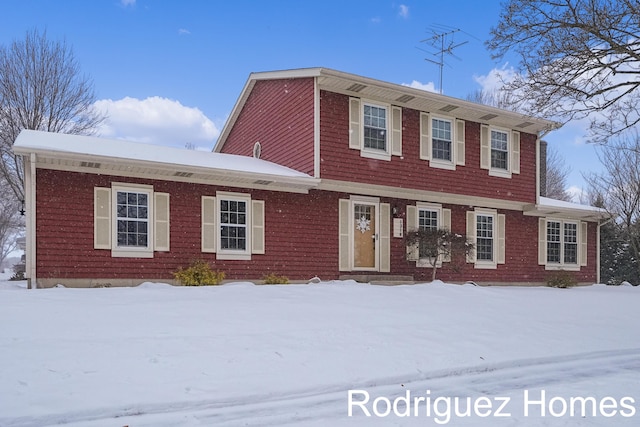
(365,236)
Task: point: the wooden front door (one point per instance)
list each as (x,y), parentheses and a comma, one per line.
(365,236)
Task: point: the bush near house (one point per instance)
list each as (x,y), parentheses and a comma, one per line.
(274,279)
(199,273)
(561,279)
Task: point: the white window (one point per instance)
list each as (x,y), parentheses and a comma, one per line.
(442,141)
(563,244)
(375,129)
(499,151)
(486,229)
(131,220)
(232,225)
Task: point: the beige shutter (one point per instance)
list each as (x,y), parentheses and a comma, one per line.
(446,219)
(208,229)
(161,233)
(583,243)
(501,238)
(257,227)
(471,234)
(396,131)
(425,139)
(446,224)
(542,241)
(354,123)
(344,243)
(485,147)
(101,218)
(385,237)
(460,153)
(412,225)
(515,152)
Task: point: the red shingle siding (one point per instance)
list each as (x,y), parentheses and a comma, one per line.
(301,232)
(301,236)
(341,163)
(280,115)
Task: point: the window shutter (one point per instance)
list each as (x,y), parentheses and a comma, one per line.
(542,241)
(425,139)
(446,224)
(161,222)
(471,234)
(412,225)
(515,152)
(101,218)
(446,219)
(385,237)
(396,131)
(343,235)
(583,243)
(460,154)
(485,148)
(501,238)
(354,123)
(208,228)
(257,227)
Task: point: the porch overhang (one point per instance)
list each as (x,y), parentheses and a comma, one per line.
(560,209)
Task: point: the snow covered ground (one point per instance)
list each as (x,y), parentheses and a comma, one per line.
(245,355)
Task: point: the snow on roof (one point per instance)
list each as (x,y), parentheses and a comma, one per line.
(553,203)
(38,141)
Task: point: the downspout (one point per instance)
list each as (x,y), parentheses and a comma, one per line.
(30,202)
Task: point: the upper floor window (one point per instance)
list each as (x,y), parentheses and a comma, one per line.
(442,141)
(499,151)
(375,129)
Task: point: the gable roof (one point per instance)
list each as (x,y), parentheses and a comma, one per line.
(118,157)
(392,93)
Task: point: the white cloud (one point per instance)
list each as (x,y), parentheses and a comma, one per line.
(496,78)
(126,3)
(157,120)
(376,20)
(429,87)
(404,11)
(183,31)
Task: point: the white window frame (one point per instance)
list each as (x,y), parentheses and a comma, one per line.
(237,254)
(428,207)
(513,151)
(562,265)
(441,163)
(499,237)
(374,152)
(132,251)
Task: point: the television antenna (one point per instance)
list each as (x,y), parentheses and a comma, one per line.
(444,43)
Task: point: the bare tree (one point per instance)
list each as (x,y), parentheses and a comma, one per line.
(496,98)
(617,189)
(577,58)
(557,175)
(436,246)
(41,88)
(11,222)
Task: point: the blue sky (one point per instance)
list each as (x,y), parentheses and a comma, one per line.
(169,72)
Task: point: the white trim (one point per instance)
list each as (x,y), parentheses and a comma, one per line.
(486,264)
(562,265)
(499,172)
(316,129)
(130,251)
(30,172)
(234,254)
(441,163)
(433,207)
(374,153)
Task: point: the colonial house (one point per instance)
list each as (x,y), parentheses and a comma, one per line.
(317,172)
